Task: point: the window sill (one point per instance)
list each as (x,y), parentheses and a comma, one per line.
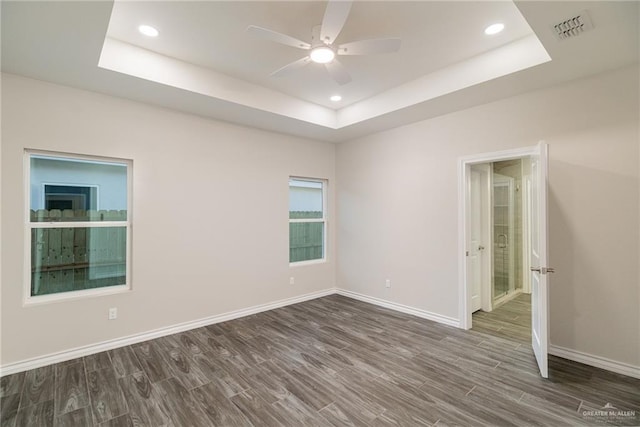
(310,262)
(74,295)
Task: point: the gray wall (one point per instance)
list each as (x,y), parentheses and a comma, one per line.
(202,191)
(194,209)
(398,197)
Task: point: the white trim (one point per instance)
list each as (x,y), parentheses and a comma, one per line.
(464,299)
(307,262)
(37,362)
(79,224)
(75,295)
(299,220)
(596,361)
(325,184)
(487,236)
(73,157)
(29,299)
(86,350)
(498,156)
(526,231)
(450,321)
(464,302)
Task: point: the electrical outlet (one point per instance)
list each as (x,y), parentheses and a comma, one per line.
(292,280)
(387,283)
(113,313)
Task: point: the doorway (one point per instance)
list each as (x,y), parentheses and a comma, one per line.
(509,227)
(503,233)
(498,229)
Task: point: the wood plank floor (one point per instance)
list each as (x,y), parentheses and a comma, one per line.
(332,361)
(511,321)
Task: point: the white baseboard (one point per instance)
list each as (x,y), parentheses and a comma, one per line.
(87,350)
(597,361)
(401,308)
(36,362)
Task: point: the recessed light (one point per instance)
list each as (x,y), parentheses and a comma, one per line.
(322,55)
(336,98)
(148,30)
(494,29)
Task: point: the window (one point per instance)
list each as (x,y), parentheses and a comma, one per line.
(78,227)
(307,220)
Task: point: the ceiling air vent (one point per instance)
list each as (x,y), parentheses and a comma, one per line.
(573,27)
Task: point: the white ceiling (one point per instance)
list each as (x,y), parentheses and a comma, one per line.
(205,63)
(212,35)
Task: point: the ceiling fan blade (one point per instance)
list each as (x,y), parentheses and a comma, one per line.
(338,72)
(274,36)
(334,18)
(291,67)
(370,47)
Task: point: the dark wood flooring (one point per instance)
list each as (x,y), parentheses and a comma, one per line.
(332,361)
(511,321)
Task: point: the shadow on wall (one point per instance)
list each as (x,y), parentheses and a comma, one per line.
(562,283)
(594,248)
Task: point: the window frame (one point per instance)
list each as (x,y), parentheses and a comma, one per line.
(323,220)
(30,300)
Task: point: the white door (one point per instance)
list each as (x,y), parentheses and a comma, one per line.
(539,258)
(475,240)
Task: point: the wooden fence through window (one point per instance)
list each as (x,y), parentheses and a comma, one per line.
(305,238)
(76,258)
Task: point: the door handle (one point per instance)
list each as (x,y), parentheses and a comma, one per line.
(543,270)
(480,248)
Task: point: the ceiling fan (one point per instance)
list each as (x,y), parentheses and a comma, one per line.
(322,49)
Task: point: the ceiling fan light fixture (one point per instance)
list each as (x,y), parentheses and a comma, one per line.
(322,55)
(494,29)
(148,31)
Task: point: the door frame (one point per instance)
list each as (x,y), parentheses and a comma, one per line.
(464,202)
(526,231)
(486,256)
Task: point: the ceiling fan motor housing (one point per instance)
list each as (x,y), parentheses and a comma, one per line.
(315,37)
(321,51)
(323,48)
